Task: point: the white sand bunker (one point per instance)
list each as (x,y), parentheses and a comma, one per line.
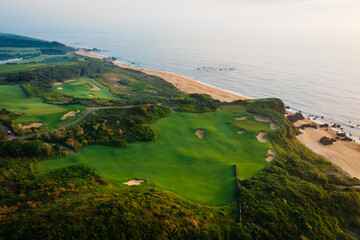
(261,138)
(271,152)
(70,114)
(271,157)
(37,124)
(261,118)
(134,182)
(71,80)
(242,118)
(241,131)
(59,88)
(94,87)
(57,83)
(273,126)
(200,133)
(91,95)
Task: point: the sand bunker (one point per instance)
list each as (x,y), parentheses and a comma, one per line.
(134,182)
(271,157)
(37,124)
(261,138)
(94,87)
(70,114)
(71,80)
(200,133)
(242,118)
(59,88)
(261,118)
(241,131)
(91,95)
(57,83)
(273,126)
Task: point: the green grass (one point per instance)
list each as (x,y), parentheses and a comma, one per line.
(6,68)
(81,88)
(33,110)
(198,169)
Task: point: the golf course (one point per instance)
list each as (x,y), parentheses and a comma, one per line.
(83,88)
(198,168)
(35,110)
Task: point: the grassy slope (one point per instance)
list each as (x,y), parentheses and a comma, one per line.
(14,99)
(198,169)
(81,88)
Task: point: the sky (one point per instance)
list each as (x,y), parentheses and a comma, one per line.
(330,18)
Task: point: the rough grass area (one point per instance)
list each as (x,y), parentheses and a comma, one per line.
(127,83)
(198,169)
(82,89)
(33,110)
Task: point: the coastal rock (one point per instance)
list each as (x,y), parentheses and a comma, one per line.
(347,139)
(341,134)
(308,126)
(327,141)
(324,125)
(296,117)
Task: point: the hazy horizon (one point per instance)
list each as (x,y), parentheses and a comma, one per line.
(320,18)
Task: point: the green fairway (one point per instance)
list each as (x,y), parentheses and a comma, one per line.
(198,169)
(6,68)
(82,89)
(34,110)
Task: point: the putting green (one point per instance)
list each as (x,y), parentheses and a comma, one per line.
(34,110)
(82,88)
(181,162)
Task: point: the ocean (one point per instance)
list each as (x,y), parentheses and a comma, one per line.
(318,77)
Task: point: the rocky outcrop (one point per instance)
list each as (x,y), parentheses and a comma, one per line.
(296,117)
(327,141)
(307,125)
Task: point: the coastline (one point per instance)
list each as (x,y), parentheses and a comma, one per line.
(344,154)
(184,84)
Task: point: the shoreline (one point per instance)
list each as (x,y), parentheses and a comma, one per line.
(345,155)
(184,84)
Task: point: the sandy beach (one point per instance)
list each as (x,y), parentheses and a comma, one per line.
(344,154)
